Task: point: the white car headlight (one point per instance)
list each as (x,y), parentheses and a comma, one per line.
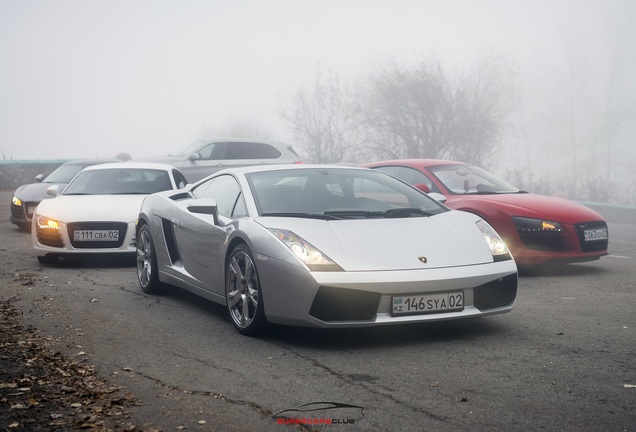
(16,201)
(43,222)
(305,251)
(496,244)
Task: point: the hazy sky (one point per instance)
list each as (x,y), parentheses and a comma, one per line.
(84,78)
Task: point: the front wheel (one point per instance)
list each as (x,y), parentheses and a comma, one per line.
(147,270)
(243,292)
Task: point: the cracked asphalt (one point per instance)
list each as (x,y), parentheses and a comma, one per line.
(561,360)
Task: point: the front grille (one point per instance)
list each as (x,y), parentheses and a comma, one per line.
(22,212)
(340,304)
(547,241)
(496,294)
(120,227)
(49,237)
(591,245)
(17,212)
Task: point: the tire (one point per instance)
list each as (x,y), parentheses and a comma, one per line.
(24,227)
(243,294)
(147,269)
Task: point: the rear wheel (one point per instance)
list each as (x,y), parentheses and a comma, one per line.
(147,271)
(243,292)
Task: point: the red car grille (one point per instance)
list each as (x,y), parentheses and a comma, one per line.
(545,241)
(591,245)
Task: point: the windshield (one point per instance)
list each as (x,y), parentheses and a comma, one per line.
(122,181)
(64,173)
(464,179)
(187,150)
(334,193)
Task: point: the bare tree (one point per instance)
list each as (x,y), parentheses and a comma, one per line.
(319,119)
(484,101)
(235,128)
(591,122)
(422,111)
(619,119)
(406,112)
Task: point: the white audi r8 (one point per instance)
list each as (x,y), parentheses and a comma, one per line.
(322,246)
(97,211)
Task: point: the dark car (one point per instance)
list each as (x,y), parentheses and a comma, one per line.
(27,197)
(538,229)
(202,158)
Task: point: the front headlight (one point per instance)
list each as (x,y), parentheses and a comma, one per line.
(305,251)
(524,224)
(43,222)
(16,201)
(496,244)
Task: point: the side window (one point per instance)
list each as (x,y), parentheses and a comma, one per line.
(206,152)
(214,151)
(251,150)
(179,179)
(410,176)
(227,193)
(200,191)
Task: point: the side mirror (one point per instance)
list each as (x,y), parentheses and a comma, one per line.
(39,178)
(423,187)
(195,157)
(206,206)
(437,197)
(53,190)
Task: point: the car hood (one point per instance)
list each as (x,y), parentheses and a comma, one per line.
(72,208)
(36,192)
(446,240)
(527,205)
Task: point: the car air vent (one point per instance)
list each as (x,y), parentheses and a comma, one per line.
(179,196)
(49,237)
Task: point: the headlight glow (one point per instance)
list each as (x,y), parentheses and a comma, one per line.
(16,201)
(495,243)
(43,222)
(548,226)
(524,224)
(305,251)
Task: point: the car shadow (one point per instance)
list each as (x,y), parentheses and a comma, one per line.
(385,336)
(576,270)
(95,261)
(378,336)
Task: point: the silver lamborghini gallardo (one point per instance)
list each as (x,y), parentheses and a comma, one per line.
(322,246)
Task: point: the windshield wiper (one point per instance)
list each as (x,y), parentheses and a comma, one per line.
(369,214)
(407,211)
(323,216)
(493,192)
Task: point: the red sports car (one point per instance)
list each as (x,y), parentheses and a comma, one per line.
(538,229)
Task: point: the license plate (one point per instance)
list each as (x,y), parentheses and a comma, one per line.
(595,234)
(428,303)
(30,210)
(95,235)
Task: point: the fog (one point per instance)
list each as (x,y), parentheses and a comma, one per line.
(94,78)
